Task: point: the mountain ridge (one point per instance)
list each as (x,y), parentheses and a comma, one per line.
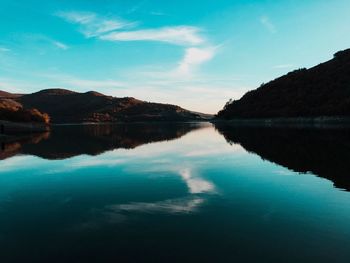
(65,106)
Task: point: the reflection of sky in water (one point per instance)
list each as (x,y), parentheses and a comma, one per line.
(187,158)
(179,158)
(197,176)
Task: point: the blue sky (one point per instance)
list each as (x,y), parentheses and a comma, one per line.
(197,54)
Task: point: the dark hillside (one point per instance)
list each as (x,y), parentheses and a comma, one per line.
(323,90)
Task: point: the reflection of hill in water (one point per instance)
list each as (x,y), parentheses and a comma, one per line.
(68,141)
(13,146)
(324,152)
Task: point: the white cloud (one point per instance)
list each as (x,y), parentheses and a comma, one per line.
(197,49)
(266,22)
(193,58)
(186,68)
(92,25)
(178,35)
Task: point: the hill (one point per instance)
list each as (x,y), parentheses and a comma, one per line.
(12,110)
(65,106)
(323,90)
(4,94)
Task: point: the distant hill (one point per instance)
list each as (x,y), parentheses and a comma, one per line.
(323,90)
(4,94)
(65,106)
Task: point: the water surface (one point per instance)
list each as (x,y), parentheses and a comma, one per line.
(175,193)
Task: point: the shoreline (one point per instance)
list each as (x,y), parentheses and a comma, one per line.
(295,122)
(15,128)
(128,122)
(8,128)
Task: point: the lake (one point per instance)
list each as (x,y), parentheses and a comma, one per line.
(181,192)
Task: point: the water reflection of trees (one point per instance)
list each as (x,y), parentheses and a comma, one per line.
(72,140)
(323,152)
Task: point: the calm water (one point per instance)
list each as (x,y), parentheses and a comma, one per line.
(176,193)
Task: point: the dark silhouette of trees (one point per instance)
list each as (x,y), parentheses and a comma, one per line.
(323,90)
(324,152)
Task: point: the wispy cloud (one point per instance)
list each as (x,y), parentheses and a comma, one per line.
(59,45)
(193,58)
(92,25)
(4,49)
(117,29)
(266,22)
(136,7)
(42,42)
(178,35)
(186,69)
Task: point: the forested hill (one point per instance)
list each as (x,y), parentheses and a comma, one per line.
(323,90)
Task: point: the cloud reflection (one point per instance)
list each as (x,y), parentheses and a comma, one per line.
(196,184)
(170,206)
(120,213)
